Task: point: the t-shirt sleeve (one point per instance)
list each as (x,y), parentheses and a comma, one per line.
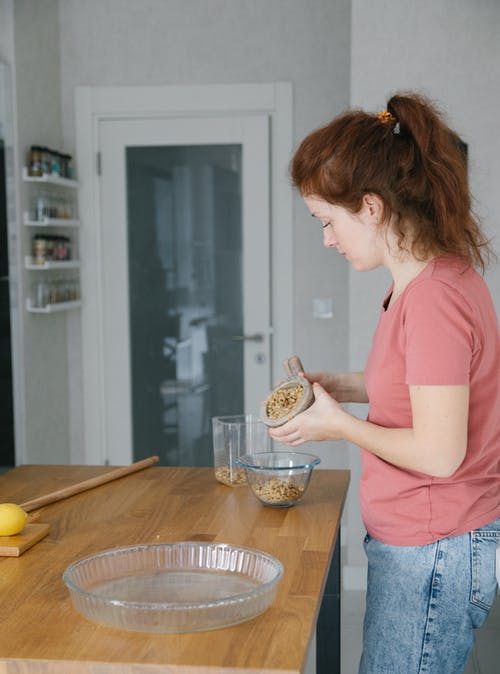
(438,329)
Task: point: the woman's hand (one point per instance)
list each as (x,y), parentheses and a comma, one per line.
(345,388)
(321,421)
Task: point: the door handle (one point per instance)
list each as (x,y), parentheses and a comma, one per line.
(257,337)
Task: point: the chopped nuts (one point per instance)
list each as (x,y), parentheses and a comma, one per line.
(283,400)
(278,491)
(230,476)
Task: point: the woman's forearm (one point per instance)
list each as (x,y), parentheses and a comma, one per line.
(346,388)
(351,387)
(394,445)
(437,443)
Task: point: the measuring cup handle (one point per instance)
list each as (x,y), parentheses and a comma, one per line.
(293,366)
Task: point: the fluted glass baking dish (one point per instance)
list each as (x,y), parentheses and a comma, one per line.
(173,587)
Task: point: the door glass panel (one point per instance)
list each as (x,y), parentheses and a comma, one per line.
(185,289)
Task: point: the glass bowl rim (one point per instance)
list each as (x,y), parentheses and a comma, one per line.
(309,460)
(177,605)
(239,419)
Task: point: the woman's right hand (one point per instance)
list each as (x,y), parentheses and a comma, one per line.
(323,421)
(345,388)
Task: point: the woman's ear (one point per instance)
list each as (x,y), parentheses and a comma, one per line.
(373,207)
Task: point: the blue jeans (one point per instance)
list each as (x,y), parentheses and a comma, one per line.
(423,602)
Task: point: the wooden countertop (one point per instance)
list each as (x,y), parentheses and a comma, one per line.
(40,631)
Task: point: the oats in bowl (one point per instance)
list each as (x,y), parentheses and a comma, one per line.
(279,479)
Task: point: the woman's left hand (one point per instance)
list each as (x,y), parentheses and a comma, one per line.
(321,421)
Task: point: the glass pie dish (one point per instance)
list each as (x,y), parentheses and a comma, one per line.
(173,587)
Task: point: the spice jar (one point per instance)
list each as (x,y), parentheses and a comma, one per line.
(55,168)
(62,248)
(40,294)
(45,154)
(35,161)
(39,249)
(69,167)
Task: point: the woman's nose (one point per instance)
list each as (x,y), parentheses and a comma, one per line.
(329,240)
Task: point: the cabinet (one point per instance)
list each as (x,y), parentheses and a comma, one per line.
(51,215)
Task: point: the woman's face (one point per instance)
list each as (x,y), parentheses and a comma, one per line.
(356,236)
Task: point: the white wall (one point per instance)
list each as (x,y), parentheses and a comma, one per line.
(39,120)
(449,50)
(6,30)
(28,44)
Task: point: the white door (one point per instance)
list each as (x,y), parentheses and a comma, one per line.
(185,241)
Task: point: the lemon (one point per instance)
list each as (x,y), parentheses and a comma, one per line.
(12,519)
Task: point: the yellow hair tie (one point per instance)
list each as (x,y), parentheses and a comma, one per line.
(386,118)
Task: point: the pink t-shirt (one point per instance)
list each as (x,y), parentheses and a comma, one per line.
(442,330)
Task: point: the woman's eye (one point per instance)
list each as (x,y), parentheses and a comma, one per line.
(326,224)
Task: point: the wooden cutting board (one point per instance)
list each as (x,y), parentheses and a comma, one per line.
(14,546)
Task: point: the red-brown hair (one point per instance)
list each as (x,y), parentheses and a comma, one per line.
(414,162)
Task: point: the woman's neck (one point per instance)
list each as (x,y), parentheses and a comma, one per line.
(402,264)
(403,272)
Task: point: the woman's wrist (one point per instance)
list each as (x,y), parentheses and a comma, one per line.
(346,426)
(350,388)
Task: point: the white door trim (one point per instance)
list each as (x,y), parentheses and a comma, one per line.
(94,104)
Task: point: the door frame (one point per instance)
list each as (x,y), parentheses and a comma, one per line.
(251,134)
(96,104)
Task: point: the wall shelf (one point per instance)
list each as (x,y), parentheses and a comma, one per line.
(49,180)
(49,222)
(49,196)
(53,308)
(50,264)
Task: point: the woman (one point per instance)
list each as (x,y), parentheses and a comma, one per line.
(391,189)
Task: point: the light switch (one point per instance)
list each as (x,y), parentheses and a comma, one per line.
(323,307)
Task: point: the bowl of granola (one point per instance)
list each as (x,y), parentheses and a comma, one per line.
(278,479)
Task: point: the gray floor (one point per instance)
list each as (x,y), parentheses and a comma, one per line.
(485,658)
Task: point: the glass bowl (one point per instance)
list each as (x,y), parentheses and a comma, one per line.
(279,479)
(173,587)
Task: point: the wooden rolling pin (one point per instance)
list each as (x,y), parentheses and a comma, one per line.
(61,494)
